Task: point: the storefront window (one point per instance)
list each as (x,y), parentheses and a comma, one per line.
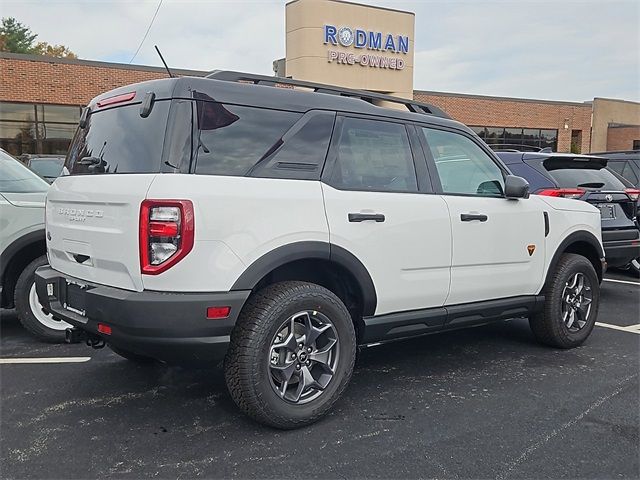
(534,137)
(32,128)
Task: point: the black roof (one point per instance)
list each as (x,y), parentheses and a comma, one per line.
(290,99)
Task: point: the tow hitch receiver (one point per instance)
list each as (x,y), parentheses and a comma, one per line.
(76,335)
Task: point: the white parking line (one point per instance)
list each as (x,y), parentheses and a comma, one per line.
(629,329)
(621,281)
(45,360)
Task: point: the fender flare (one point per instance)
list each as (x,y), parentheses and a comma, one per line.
(17,245)
(580,236)
(311,250)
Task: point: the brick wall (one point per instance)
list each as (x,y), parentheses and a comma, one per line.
(45,80)
(32,79)
(622,137)
(504,112)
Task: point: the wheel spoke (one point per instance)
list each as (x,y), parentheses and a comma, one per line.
(305,382)
(580,284)
(284,372)
(290,343)
(322,356)
(572,283)
(315,333)
(572,317)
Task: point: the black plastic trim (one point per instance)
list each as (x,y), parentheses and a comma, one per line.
(311,250)
(546,223)
(168,326)
(419,322)
(581,236)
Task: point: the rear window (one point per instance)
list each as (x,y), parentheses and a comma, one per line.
(16,178)
(593,175)
(47,167)
(119,140)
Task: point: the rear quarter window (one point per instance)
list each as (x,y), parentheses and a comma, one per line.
(232,139)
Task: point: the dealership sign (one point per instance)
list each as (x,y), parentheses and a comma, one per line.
(364,43)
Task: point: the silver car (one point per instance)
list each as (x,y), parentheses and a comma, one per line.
(23,247)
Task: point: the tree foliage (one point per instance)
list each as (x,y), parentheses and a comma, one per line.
(16,37)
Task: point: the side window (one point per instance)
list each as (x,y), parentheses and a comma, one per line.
(629,174)
(233,139)
(616,165)
(374,155)
(463,167)
(301,152)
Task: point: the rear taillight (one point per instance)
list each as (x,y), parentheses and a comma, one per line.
(167,230)
(562,192)
(633,193)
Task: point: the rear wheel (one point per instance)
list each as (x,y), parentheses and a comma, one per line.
(291,354)
(29,309)
(572,298)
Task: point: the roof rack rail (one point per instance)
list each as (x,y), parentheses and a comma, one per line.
(367,96)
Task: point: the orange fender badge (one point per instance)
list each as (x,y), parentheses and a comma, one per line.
(531,249)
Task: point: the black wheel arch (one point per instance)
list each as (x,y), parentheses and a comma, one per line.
(583,243)
(13,260)
(312,250)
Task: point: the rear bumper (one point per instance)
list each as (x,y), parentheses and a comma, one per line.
(171,327)
(621,246)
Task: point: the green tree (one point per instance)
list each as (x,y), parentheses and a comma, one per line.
(16,37)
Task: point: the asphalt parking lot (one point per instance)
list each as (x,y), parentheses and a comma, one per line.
(487,402)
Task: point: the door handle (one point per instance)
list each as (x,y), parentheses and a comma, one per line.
(470,217)
(363,217)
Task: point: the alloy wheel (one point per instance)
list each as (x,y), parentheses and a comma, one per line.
(303,356)
(577,297)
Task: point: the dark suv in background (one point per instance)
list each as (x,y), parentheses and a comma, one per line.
(585,177)
(625,163)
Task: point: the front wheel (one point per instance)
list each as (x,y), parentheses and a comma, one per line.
(29,309)
(291,355)
(572,297)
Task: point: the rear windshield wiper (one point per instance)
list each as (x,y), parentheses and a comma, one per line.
(591,185)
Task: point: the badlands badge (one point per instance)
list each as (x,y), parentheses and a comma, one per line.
(531,249)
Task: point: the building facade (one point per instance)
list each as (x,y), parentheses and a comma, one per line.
(327,41)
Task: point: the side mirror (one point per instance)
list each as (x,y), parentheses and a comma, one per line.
(516,187)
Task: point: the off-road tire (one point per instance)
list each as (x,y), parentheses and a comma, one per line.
(246,366)
(132,357)
(547,325)
(23,307)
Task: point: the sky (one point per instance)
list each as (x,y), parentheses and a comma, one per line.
(555,50)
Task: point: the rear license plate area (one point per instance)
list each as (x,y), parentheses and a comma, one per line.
(607,211)
(76,299)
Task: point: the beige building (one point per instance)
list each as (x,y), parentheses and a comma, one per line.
(350,45)
(615,125)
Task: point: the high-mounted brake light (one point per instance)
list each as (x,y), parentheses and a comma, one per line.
(124,97)
(633,193)
(167,230)
(574,193)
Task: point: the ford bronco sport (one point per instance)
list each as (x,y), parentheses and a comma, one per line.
(279,228)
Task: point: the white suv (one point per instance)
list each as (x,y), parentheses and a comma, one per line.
(23,248)
(280,228)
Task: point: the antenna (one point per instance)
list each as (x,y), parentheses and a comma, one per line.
(165,63)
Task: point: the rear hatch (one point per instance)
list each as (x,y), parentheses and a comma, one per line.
(93,208)
(587,178)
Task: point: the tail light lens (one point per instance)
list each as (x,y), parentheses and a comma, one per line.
(574,193)
(167,229)
(633,193)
